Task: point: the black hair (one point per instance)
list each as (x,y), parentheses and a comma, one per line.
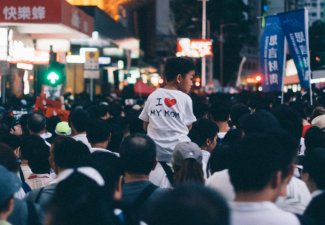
(202,130)
(315,210)
(177,65)
(314,138)
(237,111)
(8,158)
(219,158)
(11,140)
(36,122)
(189,205)
(289,119)
(4,206)
(79,200)
(258,122)
(98,131)
(257,156)
(97,111)
(220,112)
(79,119)
(233,136)
(189,172)
(37,154)
(68,153)
(116,127)
(108,165)
(314,165)
(138,154)
(51,123)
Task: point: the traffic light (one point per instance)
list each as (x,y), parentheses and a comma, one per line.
(55,74)
(317,60)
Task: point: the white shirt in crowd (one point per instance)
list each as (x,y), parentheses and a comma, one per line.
(296,201)
(36,181)
(92,150)
(168,112)
(260,213)
(220,181)
(159,178)
(205,160)
(83,138)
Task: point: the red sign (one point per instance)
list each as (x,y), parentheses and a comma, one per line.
(45,11)
(194,48)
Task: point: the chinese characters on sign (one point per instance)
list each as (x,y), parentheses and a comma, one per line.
(272,54)
(194,48)
(24,13)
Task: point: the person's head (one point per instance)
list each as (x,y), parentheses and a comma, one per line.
(219,112)
(78,120)
(204,133)
(13,141)
(63,129)
(315,210)
(138,154)
(180,71)
(9,185)
(237,111)
(111,169)
(36,123)
(289,119)
(219,158)
(187,163)
(314,138)
(81,199)
(260,156)
(67,153)
(314,169)
(189,205)
(98,132)
(8,158)
(37,154)
(258,122)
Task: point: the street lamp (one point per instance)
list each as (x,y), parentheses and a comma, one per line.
(221,48)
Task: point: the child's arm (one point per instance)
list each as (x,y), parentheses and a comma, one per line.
(145,125)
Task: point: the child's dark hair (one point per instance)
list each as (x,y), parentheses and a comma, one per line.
(177,65)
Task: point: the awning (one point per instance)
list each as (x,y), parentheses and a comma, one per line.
(46,19)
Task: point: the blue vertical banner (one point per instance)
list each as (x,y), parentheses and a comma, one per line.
(295,27)
(272,54)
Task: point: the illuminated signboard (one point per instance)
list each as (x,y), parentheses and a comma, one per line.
(194,48)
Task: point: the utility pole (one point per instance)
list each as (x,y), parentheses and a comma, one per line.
(204,35)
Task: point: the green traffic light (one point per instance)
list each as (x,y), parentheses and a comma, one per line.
(53,78)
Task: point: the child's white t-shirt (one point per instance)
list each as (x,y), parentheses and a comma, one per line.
(168,112)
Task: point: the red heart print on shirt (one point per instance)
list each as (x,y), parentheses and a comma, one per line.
(170,102)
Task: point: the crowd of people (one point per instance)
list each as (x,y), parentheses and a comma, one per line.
(173,158)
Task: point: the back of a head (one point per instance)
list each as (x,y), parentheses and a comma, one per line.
(79,119)
(314,138)
(258,122)
(8,158)
(97,131)
(315,210)
(108,165)
(202,130)
(138,154)
(289,119)
(177,66)
(37,154)
(237,111)
(36,122)
(257,156)
(11,140)
(219,158)
(187,164)
(220,112)
(68,153)
(314,165)
(80,200)
(189,205)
